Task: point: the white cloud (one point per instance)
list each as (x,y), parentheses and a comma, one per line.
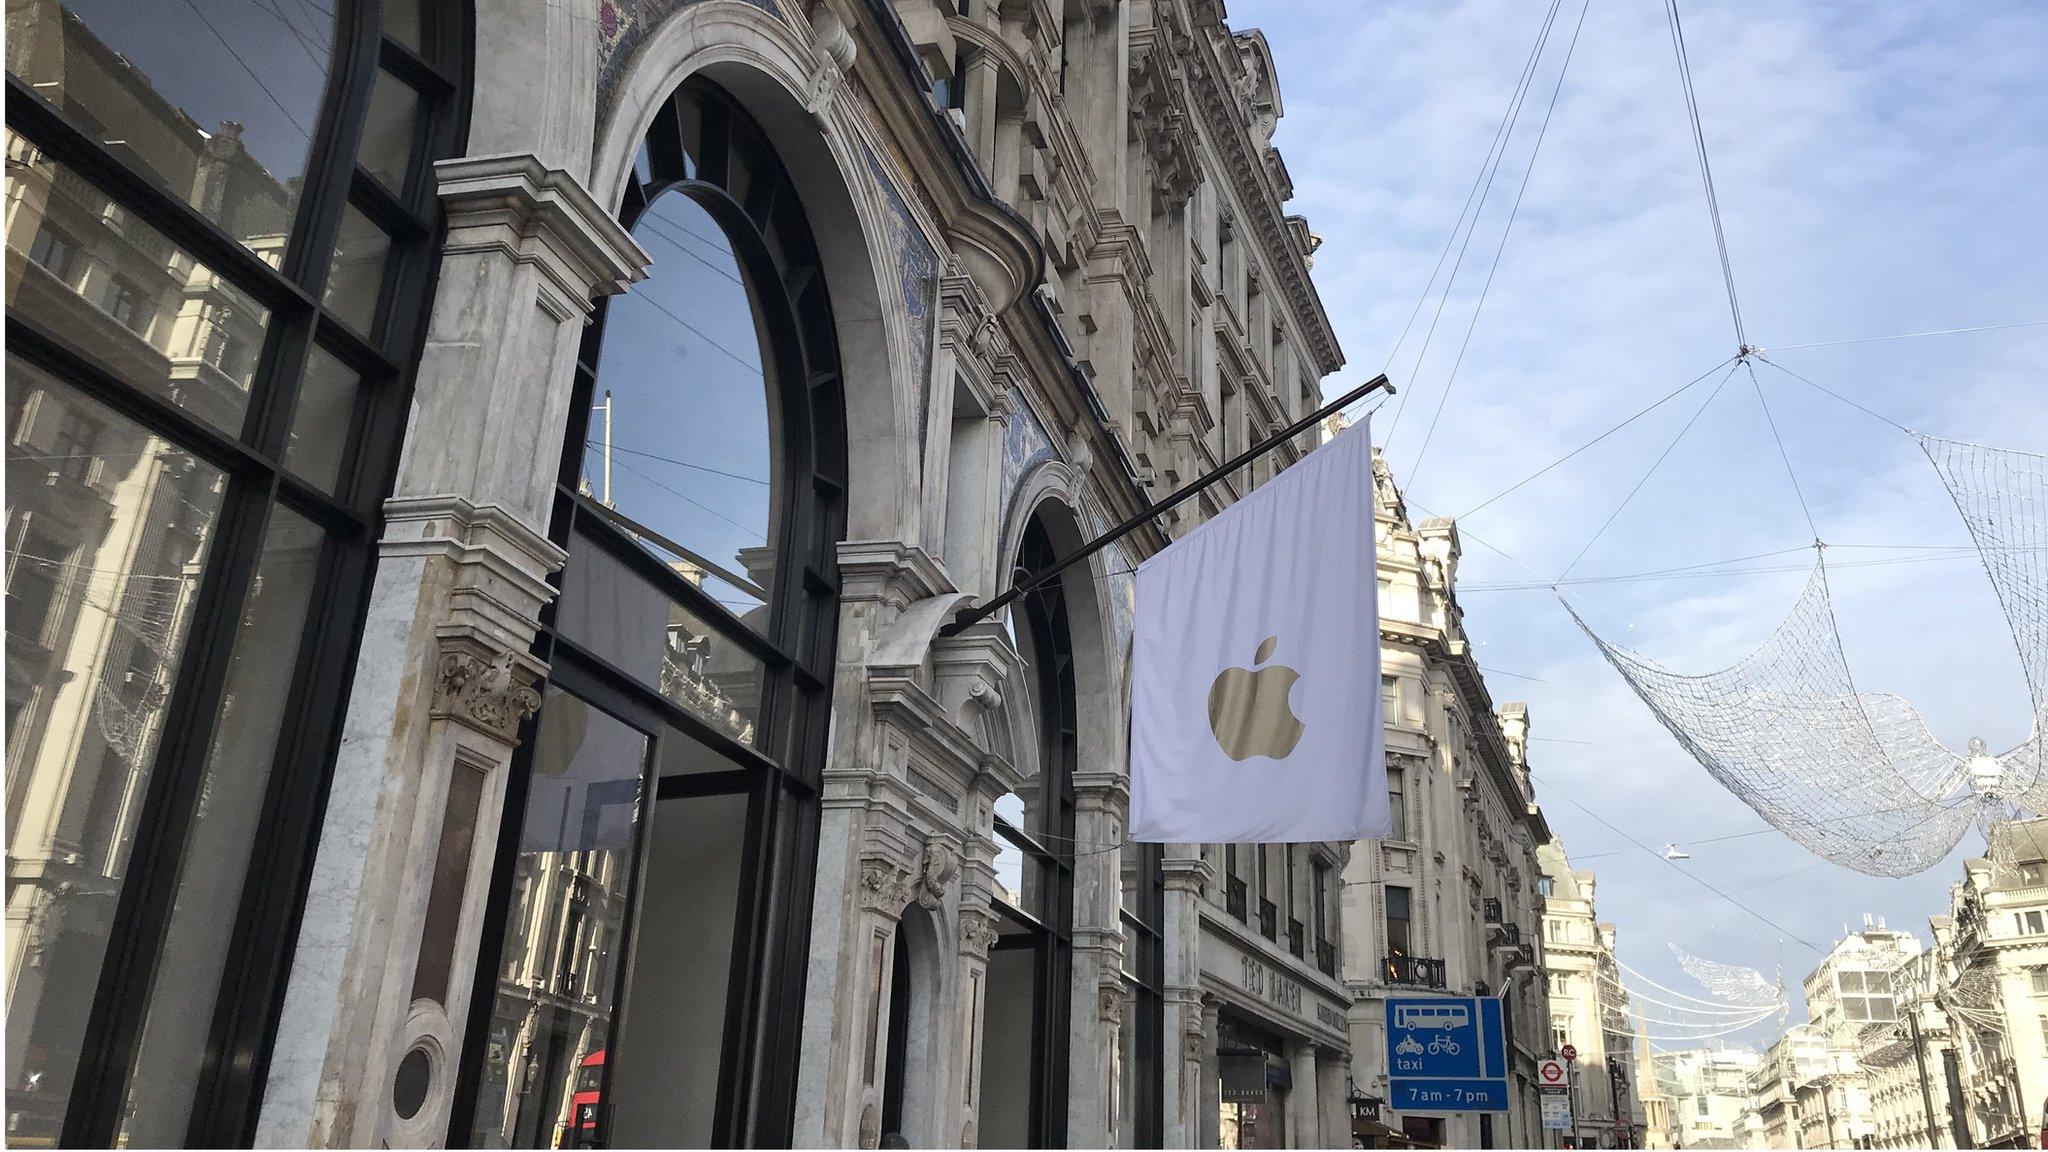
(1881,169)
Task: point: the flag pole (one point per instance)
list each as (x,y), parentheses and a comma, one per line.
(969,617)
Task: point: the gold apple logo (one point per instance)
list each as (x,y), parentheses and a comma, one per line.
(1249,712)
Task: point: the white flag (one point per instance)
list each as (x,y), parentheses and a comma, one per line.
(1255,694)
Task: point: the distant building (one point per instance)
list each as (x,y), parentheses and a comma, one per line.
(1589,1008)
(1708,1091)
(1450,902)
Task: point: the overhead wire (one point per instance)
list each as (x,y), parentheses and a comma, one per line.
(1514,211)
(1699,137)
(1654,465)
(1688,874)
(1489,168)
(1540,472)
(1772,421)
(1908,336)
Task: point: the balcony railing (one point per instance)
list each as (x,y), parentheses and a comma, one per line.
(1234,897)
(1297,939)
(1269,920)
(1415,971)
(1326,957)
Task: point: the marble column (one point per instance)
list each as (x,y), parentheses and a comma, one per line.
(1333,1083)
(1211,1118)
(1101,802)
(387,950)
(1304,1117)
(1190,1038)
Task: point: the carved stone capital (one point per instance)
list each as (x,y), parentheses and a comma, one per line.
(977,932)
(1110,996)
(492,694)
(885,887)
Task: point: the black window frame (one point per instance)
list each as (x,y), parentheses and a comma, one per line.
(235,1061)
(782,773)
(1144,920)
(1048,930)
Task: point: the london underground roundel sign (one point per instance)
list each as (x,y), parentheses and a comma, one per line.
(1550,1074)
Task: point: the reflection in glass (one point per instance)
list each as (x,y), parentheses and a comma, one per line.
(215,99)
(122,293)
(685,428)
(624,618)
(389,131)
(544,1053)
(325,410)
(107,531)
(665,1084)
(358,271)
(252,713)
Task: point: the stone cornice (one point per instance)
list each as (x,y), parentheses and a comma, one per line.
(1231,137)
(542,216)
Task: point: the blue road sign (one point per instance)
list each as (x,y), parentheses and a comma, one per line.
(1446,1054)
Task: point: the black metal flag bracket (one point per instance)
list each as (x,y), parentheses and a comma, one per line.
(969,617)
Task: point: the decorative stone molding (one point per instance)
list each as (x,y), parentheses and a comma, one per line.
(977,932)
(885,887)
(1110,996)
(540,216)
(493,696)
(832,51)
(935,872)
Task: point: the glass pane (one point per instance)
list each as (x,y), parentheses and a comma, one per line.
(107,531)
(401,21)
(666,1082)
(238,773)
(326,408)
(609,609)
(685,432)
(358,271)
(215,99)
(389,131)
(115,288)
(544,1055)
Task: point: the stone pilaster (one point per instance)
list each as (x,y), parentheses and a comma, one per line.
(1102,801)
(1211,1105)
(444,678)
(1304,1118)
(1190,1041)
(1333,1104)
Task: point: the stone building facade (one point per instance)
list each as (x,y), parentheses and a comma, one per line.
(1450,902)
(485,483)
(1589,1009)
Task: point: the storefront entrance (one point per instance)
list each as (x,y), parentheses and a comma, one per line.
(650,905)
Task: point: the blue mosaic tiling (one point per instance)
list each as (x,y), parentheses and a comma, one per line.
(623,25)
(1025,446)
(917,267)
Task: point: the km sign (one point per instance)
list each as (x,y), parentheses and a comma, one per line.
(1550,1076)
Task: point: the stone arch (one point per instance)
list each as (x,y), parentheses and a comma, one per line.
(1048,494)
(919,1071)
(786,78)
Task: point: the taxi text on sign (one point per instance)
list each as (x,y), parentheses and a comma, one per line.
(1446,1054)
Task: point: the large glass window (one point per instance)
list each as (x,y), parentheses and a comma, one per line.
(197,452)
(1023,1066)
(1141,1063)
(700,503)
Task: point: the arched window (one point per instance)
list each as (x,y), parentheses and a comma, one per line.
(658,853)
(220,227)
(1024,1058)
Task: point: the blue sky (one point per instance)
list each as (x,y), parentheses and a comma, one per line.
(1881,169)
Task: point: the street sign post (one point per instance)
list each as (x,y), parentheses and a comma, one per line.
(1446,1054)
(1568,1053)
